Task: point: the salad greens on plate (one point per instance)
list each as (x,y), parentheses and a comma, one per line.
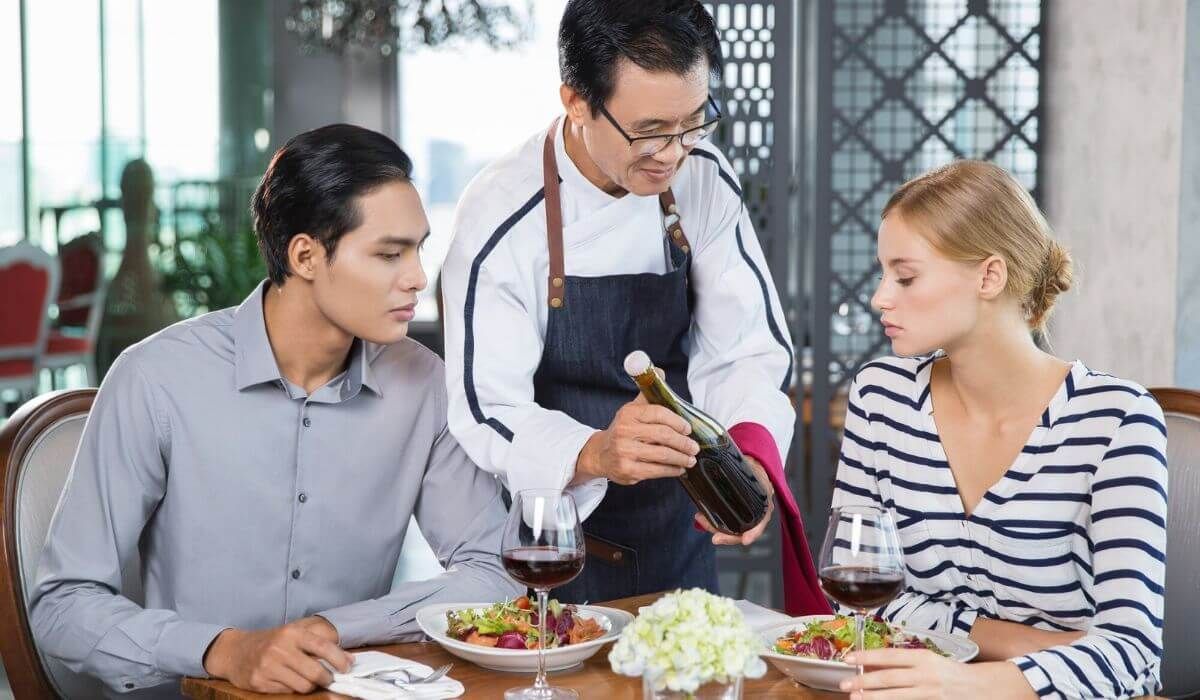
(830,640)
(513,624)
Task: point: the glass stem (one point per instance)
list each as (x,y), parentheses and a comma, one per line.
(540,681)
(859,625)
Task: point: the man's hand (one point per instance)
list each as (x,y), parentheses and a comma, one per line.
(643,442)
(755,532)
(320,627)
(281,660)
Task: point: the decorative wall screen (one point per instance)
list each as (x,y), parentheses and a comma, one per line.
(911,85)
(754,91)
(829,106)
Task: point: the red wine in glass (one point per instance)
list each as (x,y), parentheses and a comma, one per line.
(862,587)
(542,547)
(862,564)
(543,567)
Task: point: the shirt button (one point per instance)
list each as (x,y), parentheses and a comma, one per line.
(307,422)
(295,573)
(128,686)
(303,497)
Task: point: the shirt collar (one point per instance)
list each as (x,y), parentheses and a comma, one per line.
(255,361)
(591,196)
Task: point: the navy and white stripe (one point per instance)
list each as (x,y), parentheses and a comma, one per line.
(1072,537)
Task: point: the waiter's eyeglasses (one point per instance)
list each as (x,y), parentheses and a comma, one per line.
(652,145)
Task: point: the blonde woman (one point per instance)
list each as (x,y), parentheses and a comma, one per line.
(1030,492)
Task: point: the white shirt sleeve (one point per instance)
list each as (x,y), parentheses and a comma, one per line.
(741,357)
(493,348)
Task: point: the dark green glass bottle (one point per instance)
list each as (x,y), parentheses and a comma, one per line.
(721,483)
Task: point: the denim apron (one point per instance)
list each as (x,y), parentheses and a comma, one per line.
(640,539)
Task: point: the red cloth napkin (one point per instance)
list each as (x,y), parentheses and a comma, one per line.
(801,593)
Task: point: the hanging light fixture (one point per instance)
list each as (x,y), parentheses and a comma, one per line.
(386,26)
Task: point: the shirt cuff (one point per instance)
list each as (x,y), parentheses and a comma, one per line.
(182,646)
(962,621)
(383,620)
(588,495)
(1035,675)
(354,624)
(550,464)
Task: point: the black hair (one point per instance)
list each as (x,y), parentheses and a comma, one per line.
(313,184)
(658,35)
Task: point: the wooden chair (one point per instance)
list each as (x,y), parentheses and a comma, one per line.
(1180,672)
(37,448)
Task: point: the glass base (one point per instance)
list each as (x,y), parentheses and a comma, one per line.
(547,693)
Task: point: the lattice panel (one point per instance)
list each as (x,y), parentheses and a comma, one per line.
(757,42)
(917,84)
(746,93)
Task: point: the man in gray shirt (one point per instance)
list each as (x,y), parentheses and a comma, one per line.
(264,461)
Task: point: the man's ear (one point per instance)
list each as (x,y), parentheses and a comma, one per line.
(304,253)
(574,104)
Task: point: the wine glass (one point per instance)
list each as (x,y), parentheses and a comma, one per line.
(542,548)
(862,566)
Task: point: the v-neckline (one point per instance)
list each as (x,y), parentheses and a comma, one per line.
(1004,485)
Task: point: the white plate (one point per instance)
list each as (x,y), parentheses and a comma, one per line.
(826,675)
(432,620)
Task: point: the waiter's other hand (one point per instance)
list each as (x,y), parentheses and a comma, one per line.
(755,532)
(643,441)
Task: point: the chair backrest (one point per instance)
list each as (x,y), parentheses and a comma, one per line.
(37,448)
(1181,673)
(28,284)
(81,292)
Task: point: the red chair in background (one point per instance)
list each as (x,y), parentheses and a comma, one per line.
(28,284)
(72,339)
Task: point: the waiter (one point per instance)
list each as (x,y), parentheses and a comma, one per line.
(618,228)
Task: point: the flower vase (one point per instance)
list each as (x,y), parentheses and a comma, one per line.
(713,690)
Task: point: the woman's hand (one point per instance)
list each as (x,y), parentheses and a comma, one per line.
(901,674)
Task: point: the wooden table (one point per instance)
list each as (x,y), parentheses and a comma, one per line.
(593,680)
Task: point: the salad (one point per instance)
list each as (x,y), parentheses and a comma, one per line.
(830,640)
(514,625)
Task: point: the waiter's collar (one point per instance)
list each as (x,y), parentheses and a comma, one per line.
(583,188)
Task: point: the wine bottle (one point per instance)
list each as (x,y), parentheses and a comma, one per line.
(721,483)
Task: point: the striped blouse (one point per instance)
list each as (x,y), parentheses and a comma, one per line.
(1072,537)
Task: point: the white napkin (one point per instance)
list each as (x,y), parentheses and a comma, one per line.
(366,663)
(758,617)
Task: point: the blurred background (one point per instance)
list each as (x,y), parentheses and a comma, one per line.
(132,133)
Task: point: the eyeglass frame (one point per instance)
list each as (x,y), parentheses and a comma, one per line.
(669,137)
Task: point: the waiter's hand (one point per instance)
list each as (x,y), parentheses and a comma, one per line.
(755,532)
(643,441)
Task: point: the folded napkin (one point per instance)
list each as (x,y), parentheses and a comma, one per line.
(801,593)
(370,663)
(758,617)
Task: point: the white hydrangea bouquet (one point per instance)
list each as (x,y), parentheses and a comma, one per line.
(686,639)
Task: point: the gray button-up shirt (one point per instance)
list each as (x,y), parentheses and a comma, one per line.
(252,504)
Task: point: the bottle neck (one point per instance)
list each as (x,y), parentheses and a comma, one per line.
(656,390)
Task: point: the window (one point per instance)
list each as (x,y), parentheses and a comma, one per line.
(461,109)
(64,117)
(12,220)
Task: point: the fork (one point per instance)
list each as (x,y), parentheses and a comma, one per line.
(433,677)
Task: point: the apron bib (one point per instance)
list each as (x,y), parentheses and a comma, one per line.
(640,539)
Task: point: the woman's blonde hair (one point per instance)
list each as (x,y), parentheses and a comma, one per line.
(970,210)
